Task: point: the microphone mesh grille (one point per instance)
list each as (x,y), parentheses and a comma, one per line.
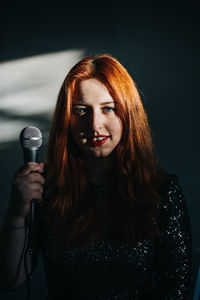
(31,138)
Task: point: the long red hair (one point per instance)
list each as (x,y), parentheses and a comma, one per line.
(71,206)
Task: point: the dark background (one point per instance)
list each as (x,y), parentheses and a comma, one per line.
(159,45)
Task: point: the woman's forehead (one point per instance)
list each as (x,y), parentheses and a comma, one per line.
(92,91)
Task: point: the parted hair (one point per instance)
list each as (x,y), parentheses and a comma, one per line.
(70,200)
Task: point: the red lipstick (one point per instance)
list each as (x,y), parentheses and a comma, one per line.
(99,140)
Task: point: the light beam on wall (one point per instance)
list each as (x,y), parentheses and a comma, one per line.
(29,89)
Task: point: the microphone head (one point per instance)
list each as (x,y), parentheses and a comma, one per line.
(30,138)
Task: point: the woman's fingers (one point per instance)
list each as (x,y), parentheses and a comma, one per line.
(30,178)
(28,182)
(27,185)
(30,167)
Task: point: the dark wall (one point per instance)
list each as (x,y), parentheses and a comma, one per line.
(159,45)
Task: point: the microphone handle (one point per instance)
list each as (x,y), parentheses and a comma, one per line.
(31,218)
(31,155)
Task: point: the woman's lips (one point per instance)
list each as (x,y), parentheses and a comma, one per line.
(98,140)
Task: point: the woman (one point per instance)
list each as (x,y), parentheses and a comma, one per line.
(112,224)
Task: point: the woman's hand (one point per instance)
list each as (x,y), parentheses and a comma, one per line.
(27,185)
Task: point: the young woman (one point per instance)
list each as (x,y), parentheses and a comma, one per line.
(111,224)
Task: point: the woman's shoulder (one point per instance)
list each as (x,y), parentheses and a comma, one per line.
(172,197)
(170,185)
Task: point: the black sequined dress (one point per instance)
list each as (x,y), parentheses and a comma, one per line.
(156,269)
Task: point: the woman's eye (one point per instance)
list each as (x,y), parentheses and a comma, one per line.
(108,108)
(80,110)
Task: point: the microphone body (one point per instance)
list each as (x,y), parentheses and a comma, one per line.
(31,140)
(31,155)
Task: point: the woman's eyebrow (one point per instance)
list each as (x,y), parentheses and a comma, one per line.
(79,103)
(108,102)
(83,104)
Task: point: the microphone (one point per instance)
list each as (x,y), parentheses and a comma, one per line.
(31,140)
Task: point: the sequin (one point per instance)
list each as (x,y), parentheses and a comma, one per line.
(156,269)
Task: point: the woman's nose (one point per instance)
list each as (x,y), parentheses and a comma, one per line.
(96,120)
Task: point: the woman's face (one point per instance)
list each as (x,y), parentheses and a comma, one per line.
(95,127)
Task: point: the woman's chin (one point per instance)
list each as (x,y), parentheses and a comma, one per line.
(94,153)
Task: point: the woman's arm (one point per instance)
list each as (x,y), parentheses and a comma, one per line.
(12,253)
(173,250)
(15,260)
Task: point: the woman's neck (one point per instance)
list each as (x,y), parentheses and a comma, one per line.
(100,169)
